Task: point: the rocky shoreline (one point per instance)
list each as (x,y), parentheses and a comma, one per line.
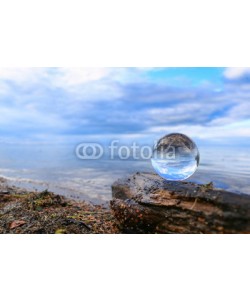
(23,212)
(141,203)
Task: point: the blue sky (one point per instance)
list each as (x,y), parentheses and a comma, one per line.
(77,104)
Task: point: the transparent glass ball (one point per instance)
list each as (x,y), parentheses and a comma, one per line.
(175,157)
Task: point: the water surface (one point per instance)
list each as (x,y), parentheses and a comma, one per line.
(58,169)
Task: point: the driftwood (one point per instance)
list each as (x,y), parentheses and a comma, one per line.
(146,203)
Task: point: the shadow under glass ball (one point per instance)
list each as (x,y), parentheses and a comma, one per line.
(175,157)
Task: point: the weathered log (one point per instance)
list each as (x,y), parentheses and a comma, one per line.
(146,203)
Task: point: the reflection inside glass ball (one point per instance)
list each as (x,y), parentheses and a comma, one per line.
(175,157)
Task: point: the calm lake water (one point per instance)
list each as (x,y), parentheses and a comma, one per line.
(59,170)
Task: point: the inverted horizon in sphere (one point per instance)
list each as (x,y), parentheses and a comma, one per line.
(175,157)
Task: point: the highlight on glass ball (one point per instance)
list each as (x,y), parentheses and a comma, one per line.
(175,157)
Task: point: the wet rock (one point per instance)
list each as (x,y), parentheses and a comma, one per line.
(146,203)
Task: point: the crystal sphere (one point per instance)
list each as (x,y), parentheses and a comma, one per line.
(175,157)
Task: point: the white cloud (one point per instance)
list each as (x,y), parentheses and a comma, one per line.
(85,82)
(76,76)
(30,119)
(119,101)
(23,75)
(234,130)
(71,76)
(53,77)
(235,73)
(182,112)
